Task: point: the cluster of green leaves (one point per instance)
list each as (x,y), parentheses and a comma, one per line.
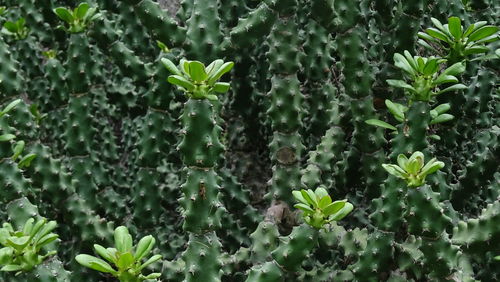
(398,111)
(17,146)
(22,249)
(16,30)
(2,10)
(412,169)
(79,19)
(198,81)
(457,41)
(125,257)
(49,54)
(318,208)
(423,76)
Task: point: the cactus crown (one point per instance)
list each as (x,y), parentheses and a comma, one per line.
(412,169)
(22,248)
(125,257)
(16,30)
(79,19)
(198,81)
(459,42)
(318,208)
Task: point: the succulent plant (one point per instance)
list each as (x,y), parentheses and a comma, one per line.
(16,30)
(459,42)
(318,208)
(79,19)
(425,78)
(198,81)
(22,249)
(413,170)
(126,258)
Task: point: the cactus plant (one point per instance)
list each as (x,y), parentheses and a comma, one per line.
(127,258)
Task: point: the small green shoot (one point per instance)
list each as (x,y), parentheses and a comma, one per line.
(318,208)
(16,30)
(126,258)
(77,20)
(424,80)
(412,169)
(459,42)
(22,248)
(198,81)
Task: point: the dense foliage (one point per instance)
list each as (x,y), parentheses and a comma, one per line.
(245,140)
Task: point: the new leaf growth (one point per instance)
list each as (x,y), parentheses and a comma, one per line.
(198,81)
(318,208)
(79,19)
(412,169)
(126,258)
(22,248)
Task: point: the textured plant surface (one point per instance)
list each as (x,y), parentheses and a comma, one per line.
(237,132)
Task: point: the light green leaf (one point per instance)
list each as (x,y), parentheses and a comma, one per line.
(64,14)
(431,167)
(334,207)
(402,161)
(125,260)
(10,106)
(11,267)
(455,27)
(431,67)
(123,239)
(438,34)
(348,207)
(455,69)
(395,170)
(452,88)
(397,110)
(306,196)
(303,207)
(380,123)
(476,50)
(7,137)
(104,253)
(443,108)
(26,160)
(325,201)
(18,149)
(181,81)
(442,118)
(220,72)
(82,9)
(214,67)
(37,227)
(28,226)
(313,197)
(144,246)
(401,62)
(18,243)
(150,261)
(197,71)
(320,192)
(221,87)
(47,239)
(482,32)
(400,84)
(299,197)
(444,78)
(169,65)
(94,263)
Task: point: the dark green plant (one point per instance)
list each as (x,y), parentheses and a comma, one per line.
(413,170)
(318,208)
(198,81)
(16,30)
(126,258)
(459,43)
(22,249)
(79,19)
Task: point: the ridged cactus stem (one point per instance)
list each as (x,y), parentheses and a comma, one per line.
(285,108)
